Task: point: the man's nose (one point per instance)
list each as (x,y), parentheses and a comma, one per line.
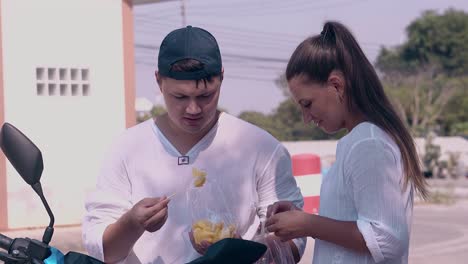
(193,108)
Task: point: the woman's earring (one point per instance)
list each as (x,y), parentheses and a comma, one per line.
(340,97)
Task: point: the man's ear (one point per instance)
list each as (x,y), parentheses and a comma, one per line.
(222,74)
(158,80)
(337,81)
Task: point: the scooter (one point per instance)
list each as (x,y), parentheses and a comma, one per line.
(26,158)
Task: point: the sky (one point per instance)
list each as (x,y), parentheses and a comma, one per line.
(257,37)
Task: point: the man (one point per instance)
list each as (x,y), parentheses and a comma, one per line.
(130,219)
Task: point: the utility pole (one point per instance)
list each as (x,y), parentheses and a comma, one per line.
(183,13)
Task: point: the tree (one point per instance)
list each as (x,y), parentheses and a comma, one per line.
(155,111)
(426,76)
(263,121)
(432,39)
(453,163)
(285,123)
(292,126)
(431,159)
(421,98)
(456,114)
(282,84)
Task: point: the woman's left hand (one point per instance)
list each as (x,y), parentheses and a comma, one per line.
(290,224)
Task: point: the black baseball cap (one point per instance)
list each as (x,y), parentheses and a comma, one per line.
(189,43)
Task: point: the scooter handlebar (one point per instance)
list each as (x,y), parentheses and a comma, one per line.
(5,242)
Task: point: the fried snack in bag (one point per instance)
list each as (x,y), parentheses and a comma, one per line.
(200,177)
(205,230)
(211,215)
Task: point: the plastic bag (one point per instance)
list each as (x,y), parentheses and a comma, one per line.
(212,219)
(278,252)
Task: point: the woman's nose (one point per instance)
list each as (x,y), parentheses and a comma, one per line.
(306,117)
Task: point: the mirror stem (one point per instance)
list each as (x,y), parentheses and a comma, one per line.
(50,229)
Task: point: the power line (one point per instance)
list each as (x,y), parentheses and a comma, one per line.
(248,78)
(227,42)
(236,57)
(262,11)
(160,7)
(155,22)
(220,34)
(229,7)
(183,13)
(228,64)
(228,74)
(229,55)
(239,39)
(240,34)
(244,4)
(264,47)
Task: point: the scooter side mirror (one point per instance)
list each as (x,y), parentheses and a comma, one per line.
(22,153)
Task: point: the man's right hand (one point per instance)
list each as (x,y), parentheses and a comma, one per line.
(149,214)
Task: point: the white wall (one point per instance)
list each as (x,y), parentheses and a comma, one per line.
(71,131)
(326,149)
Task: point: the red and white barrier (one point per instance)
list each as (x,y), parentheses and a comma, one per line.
(307,171)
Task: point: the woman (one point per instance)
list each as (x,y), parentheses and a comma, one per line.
(366,199)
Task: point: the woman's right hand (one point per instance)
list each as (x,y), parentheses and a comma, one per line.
(149,214)
(279,207)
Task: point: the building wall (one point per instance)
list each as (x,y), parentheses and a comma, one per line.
(326,149)
(72,129)
(3,187)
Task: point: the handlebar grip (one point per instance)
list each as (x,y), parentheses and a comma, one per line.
(35,261)
(5,242)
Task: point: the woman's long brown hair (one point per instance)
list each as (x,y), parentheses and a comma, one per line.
(336,49)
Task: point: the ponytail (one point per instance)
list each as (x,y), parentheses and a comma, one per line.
(335,48)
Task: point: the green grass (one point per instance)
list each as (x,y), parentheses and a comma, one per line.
(441,197)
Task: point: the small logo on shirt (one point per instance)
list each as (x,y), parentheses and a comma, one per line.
(183,160)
